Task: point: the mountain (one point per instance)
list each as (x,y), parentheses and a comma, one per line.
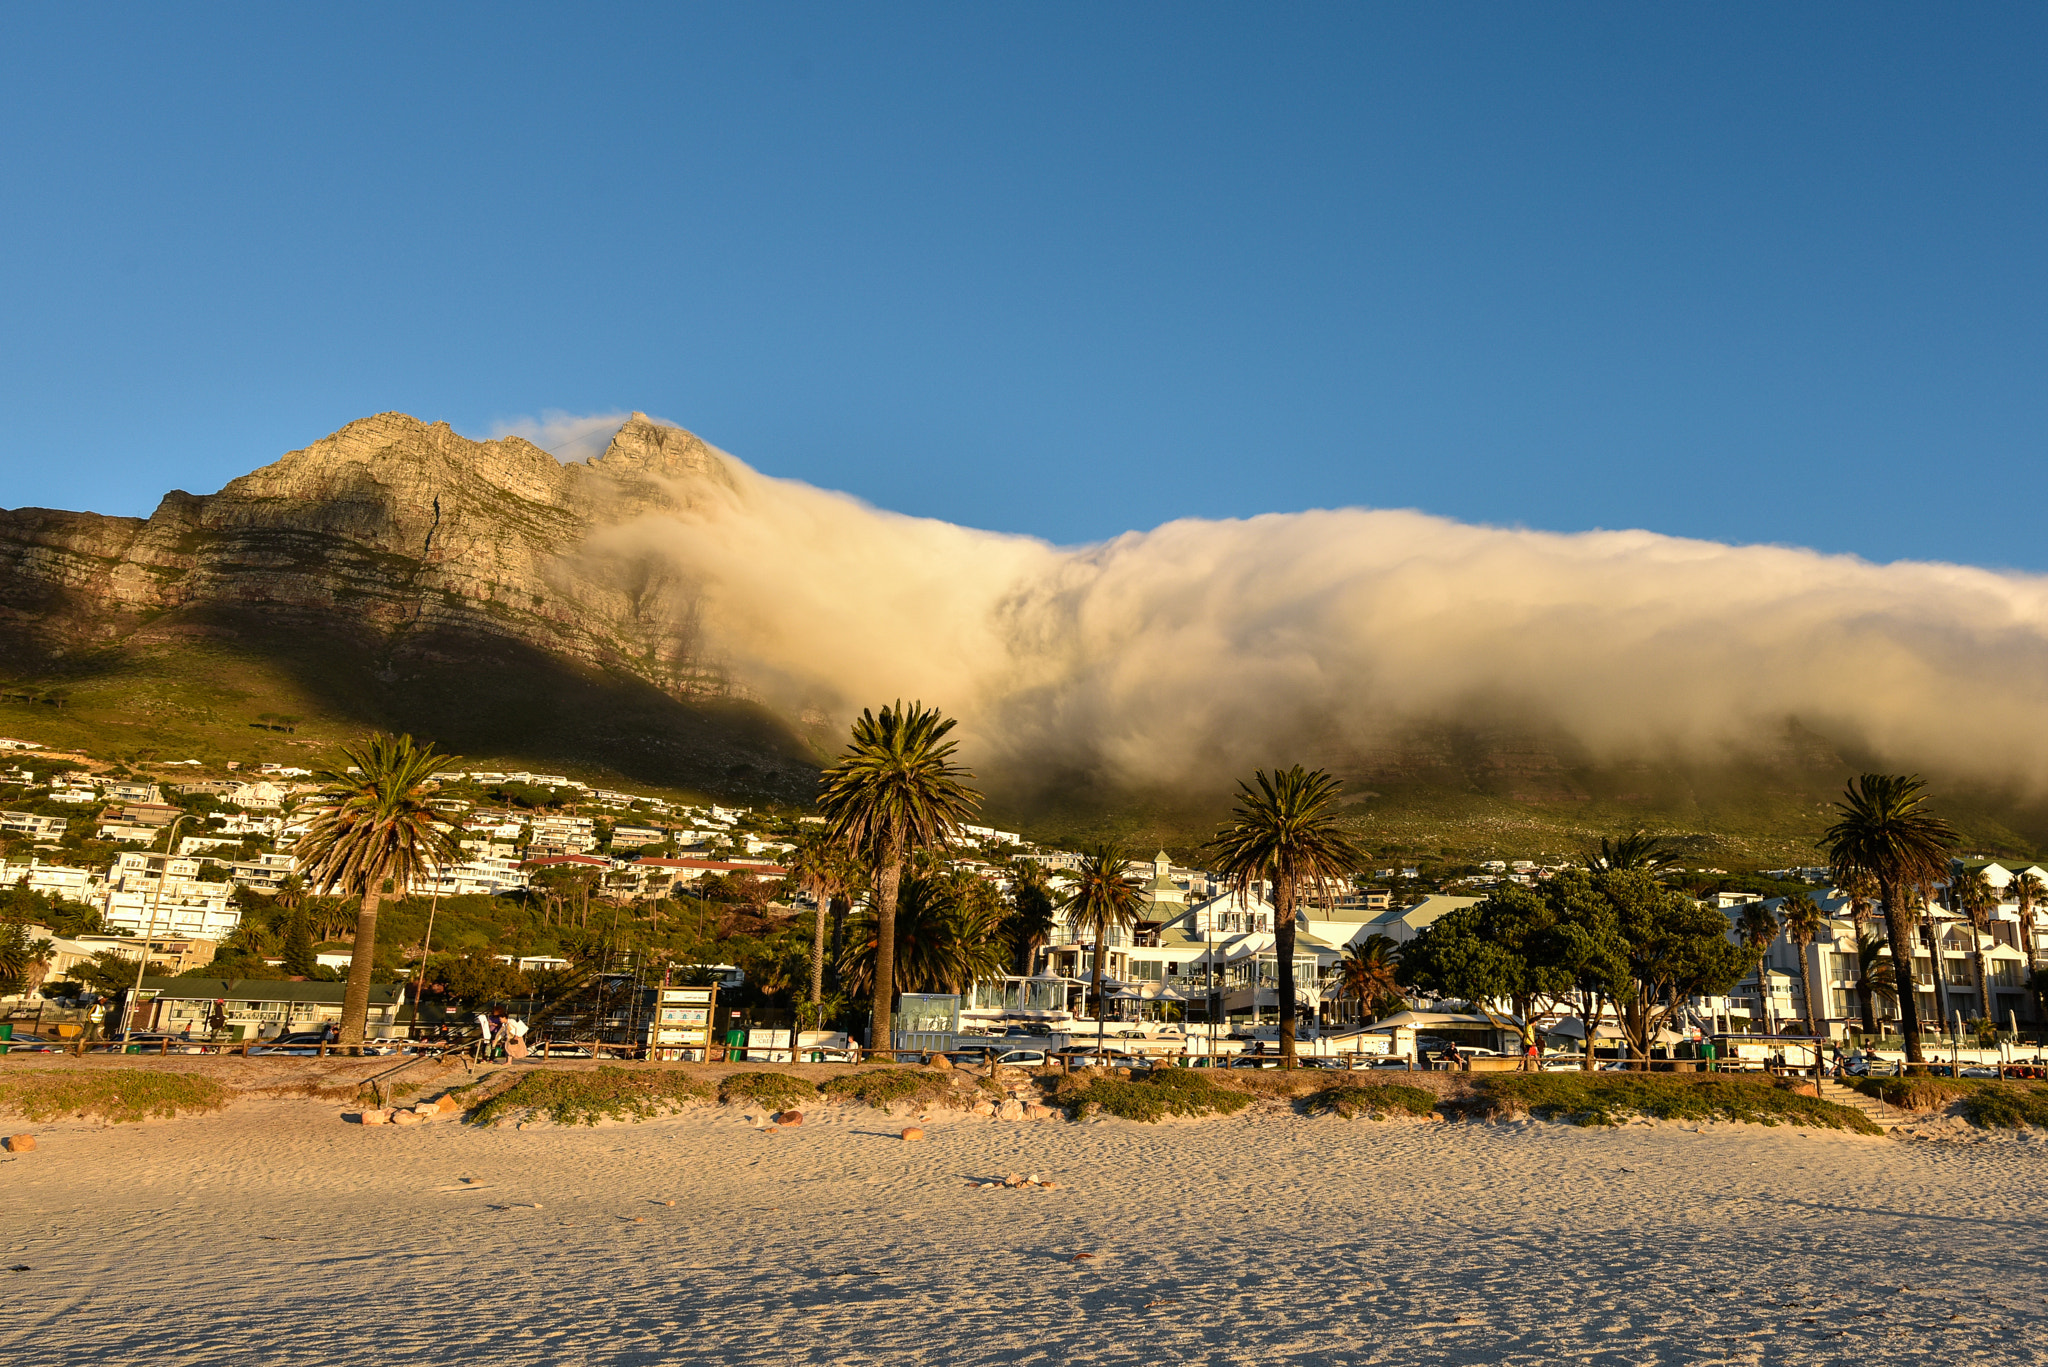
(397,574)
(662,616)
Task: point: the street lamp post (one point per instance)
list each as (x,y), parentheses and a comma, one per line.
(156,902)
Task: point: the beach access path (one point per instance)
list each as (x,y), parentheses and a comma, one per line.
(273,1233)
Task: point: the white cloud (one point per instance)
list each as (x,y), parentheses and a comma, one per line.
(1202,648)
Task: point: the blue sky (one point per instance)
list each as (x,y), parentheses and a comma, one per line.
(1752,273)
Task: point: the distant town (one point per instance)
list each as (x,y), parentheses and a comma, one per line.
(190,876)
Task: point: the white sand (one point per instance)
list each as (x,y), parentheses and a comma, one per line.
(275,1234)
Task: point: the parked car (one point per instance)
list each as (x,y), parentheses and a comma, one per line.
(300,1043)
(152,1042)
(1107,1058)
(30,1044)
(1318,1061)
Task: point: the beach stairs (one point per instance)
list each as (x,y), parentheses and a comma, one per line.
(1881,1115)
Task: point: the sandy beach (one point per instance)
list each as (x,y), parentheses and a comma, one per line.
(275,1233)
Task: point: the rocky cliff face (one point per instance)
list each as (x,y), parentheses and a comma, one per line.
(402,533)
(396,558)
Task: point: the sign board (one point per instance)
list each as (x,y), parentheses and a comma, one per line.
(680,1027)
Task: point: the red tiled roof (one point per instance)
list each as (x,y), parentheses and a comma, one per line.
(711,866)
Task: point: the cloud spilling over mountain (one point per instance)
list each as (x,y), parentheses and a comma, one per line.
(1201,648)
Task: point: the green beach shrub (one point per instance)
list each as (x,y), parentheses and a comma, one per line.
(2003,1106)
(1610,1098)
(1352,1100)
(773,1091)
(1149,1097)
(585,1098)
(885,1087)
(114,1095)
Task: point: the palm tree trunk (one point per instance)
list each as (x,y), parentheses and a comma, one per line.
(840,906)
(1898,929)
(1863,995)
(888,883)
(818,959)
(1805,987)
(1101,943)
(1937,958)
(1983,977)
(355,1001)
(1283,949)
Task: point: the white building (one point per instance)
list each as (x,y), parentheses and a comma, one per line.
(164,891)
(57,880)
(34,825)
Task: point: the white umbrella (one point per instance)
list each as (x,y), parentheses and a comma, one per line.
(1571,1027)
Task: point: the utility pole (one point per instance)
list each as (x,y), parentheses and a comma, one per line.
(156,902)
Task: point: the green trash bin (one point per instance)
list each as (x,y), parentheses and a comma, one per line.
(6,1034)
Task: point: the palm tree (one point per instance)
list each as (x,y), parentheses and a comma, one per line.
(374,836)
(1638,850)
(1031,906)
(895,791)
(1885,830)
(945,937)
(1875,979)
(1860,890)
(1285,832)
(1105,899)
(2028,894)
(1979,899)
(821,868)
(1758,931)
(1367,972)
(1803,922)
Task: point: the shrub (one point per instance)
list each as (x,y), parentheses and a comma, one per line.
(1147,1096)
(1916,1093)
(582,1098)
(1996,1106)
(1607,1098)
(774,1091)
(887,1086)
(1351,1100)
(112,1095)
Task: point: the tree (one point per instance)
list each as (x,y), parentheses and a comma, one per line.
(1285,832)
(1803,922)
(1106,899)
(2028,893)
(894,791)
(1861,891)
(24,960)
(1638,850)
(1369,973)
(1885,830)
(299,960)
(1979,899)
(1875,978)
(373,836)
(945,938)
(1757,929)
(1029,924)
(1674,949)
(821,868)
(1481,953)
